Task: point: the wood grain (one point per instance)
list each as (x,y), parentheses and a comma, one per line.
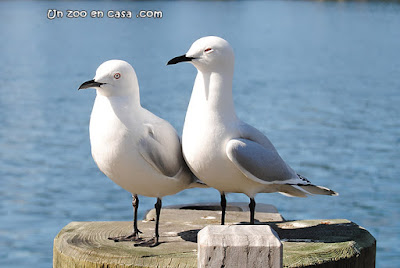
(309,243)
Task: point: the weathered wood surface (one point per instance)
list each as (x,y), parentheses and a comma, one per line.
(315,243)
(326,243)
(245,246)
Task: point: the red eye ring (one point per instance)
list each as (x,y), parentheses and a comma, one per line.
(208,49)
(117,75)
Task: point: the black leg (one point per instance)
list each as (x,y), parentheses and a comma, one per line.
(157,206)
(135,234)
(152,242)
(223,208)
(135,205)
(252,207)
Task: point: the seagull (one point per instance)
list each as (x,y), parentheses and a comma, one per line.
(220,149)
(136,149)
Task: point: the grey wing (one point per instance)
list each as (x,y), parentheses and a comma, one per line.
(251,133)
(161,148)
(258,163)
(258,159)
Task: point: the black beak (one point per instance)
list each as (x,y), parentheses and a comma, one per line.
(179,59)
(90,83)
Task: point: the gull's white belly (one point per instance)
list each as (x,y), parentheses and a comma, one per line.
(204,152)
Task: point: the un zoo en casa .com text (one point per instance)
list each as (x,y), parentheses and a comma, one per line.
(115,14)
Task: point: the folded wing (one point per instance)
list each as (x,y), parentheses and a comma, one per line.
(161,149)
(258,163)
(256,157)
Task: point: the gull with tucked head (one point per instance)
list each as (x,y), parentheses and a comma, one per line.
(133,147)
(220,149)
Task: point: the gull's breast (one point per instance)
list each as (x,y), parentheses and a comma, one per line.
(115,150)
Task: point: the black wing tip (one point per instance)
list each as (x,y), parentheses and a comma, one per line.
(303,178)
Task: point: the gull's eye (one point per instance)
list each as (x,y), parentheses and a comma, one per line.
(117,75)
(208,50)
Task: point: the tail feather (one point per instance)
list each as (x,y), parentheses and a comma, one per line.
(320,190)
(292,191)
(302,190)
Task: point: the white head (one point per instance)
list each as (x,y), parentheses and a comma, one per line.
(209,54)
(114,78)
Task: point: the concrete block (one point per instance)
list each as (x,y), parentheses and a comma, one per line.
(249,246)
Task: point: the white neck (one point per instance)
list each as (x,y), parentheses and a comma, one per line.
(122,106)
(212,92)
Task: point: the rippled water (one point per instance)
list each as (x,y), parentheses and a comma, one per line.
(321,79)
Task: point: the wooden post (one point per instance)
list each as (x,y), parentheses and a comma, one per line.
(309,243)
(247,246)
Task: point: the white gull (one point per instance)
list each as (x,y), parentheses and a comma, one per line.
(220,149)
(133,147)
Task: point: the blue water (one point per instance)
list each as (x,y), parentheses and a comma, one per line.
(321,79)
